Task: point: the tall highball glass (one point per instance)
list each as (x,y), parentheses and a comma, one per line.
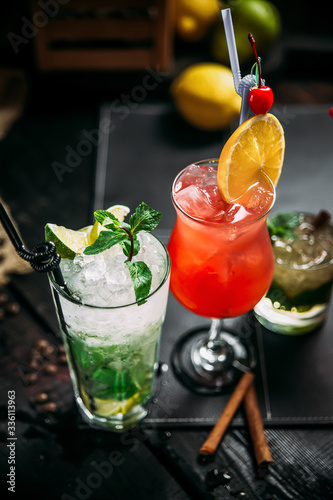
(113,352)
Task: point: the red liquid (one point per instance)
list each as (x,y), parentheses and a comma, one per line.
(222,261)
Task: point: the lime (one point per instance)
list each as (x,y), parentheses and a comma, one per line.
(260,17)
(70,243)
(110,407)
(119,211)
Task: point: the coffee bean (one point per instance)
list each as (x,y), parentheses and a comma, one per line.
(3,298)
(61,349)
(50,369)
(41,344)
(34,364)
(47,351)
(50,407)
(31,378)
(41,397)
(13,308)
(62,359)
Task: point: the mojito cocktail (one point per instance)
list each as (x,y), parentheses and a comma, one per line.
(297,301)
(111,337)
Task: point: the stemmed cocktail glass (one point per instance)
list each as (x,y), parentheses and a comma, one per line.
(221,265)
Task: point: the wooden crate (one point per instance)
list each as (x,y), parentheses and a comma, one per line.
(102,34)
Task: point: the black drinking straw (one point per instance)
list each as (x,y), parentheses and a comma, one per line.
(42,258)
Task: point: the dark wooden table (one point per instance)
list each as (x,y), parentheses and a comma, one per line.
(56,455)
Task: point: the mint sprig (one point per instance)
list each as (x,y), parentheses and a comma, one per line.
(144,219)
(283,224)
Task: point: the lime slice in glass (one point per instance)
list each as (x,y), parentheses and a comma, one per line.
(107,408)
(69,242)
(119,211)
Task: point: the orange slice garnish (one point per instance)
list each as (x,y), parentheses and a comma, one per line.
(257,146)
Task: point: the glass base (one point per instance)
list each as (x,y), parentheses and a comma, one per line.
(114,423)
(206,372)
(289,322)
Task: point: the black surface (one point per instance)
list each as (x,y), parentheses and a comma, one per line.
(294,376)
(144,151)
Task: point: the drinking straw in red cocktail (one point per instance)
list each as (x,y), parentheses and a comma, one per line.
(242,85)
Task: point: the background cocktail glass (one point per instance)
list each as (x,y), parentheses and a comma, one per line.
(112,352)
(219,269)
(298,299)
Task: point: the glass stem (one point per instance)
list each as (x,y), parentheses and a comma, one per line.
(214,340)
(212,353)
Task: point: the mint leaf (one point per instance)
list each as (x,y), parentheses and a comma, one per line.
(102,215)
(105,240)
(141,277)
(127,247)
(282,225)
(144,219)
(109,221)
(124,234)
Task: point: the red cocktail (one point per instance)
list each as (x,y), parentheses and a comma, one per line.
(222,262)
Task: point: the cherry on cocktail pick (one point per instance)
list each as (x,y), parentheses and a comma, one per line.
(260,97)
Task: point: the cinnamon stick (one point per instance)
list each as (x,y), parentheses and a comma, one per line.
(215,436)
(256,427)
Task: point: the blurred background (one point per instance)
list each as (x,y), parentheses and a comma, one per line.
(80,52)
(62,60)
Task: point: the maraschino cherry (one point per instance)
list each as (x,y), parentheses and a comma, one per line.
(260,97)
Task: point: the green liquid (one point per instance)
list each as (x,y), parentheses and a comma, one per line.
(301,302)
(112,379)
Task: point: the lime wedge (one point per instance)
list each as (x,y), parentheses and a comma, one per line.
(119,211)
(110,407)
(68,242)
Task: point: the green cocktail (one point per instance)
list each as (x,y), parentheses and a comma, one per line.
(110,332)
(298,298)
(114,379)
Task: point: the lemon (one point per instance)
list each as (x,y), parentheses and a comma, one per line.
(193,18)
(205,97)
(256,146)
(70,243)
